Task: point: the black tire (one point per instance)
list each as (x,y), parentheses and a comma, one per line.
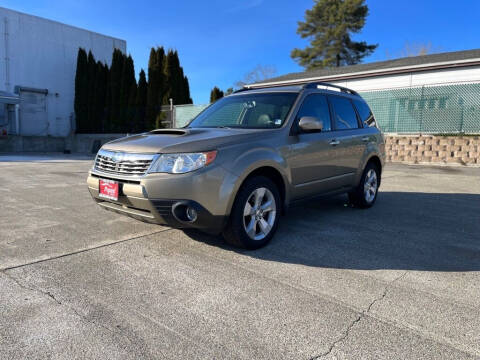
(235,233)
(357,196)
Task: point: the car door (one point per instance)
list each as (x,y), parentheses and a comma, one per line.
(312,159)
(348,139)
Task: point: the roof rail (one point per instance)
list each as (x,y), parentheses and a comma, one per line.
(316,85)
(310,85)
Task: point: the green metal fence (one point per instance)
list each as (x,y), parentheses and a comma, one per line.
(444,109)
(185,113)
(428,109)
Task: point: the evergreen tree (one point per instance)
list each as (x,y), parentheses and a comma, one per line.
(156,85)
(91,78)
(141,103)
(186,89)
(127,94)
(329,25)
(215,94)
(99,98)
(115,80)
(81,91)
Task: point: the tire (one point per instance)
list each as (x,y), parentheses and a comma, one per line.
(365,194)
(253,226)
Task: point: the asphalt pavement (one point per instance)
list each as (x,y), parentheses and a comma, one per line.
(398,281)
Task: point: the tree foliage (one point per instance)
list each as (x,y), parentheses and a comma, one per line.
(108,99)
(141,102)
(330,25)
(216,94)
(81,90)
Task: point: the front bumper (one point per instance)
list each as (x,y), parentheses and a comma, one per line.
(161,198)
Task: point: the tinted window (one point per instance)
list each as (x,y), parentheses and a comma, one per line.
(345,116)
(316,105)
(365,113)
(258,111)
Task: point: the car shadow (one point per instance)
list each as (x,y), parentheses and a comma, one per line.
(404,230)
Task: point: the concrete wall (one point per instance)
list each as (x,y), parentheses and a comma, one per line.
(417,149)
(42,54)
(80,143)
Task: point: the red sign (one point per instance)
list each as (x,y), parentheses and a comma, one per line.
(108,189)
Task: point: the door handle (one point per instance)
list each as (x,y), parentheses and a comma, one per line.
(334,142)
(366,138)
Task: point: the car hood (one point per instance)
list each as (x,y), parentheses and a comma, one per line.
(183,140)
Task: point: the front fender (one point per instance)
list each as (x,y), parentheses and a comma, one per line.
(253,159)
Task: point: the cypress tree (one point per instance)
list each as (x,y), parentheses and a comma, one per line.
(100,97)
(115,79)
(156,85)
(92,75)
(186,87)
(81,91)
(127,87)
(141,103)
(131,108)
(215,94)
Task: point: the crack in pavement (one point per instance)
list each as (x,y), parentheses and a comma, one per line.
(85,250)
(51,296)
(82,317)
(359,317)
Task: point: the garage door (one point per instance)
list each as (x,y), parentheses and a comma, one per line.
(33,113)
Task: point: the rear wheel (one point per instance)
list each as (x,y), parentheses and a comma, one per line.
(365,194)
(254,216)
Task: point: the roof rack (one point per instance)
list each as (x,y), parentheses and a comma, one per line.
(310,85)
(316,85)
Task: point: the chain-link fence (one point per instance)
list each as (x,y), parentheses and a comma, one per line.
(183,114)
(445,109)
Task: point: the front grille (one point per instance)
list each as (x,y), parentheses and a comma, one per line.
(123,163)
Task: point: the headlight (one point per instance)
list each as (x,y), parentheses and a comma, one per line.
(182,163)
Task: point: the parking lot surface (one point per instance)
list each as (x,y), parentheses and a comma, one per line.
(398,281)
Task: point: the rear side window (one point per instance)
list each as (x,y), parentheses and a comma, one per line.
(365,113)
(345,116)
(316,105)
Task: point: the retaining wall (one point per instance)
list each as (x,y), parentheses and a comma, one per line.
(418,149)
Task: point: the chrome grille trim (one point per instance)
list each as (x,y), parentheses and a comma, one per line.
(117,162)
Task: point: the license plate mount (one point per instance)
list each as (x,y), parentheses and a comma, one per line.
(108,189)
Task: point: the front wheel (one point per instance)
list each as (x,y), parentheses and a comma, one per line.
(254,216)
(365,194)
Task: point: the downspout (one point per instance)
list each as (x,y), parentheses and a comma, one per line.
(7,58)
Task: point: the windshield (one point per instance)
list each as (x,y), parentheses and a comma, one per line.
(249,111)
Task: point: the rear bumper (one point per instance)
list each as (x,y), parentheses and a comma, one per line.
(135,202)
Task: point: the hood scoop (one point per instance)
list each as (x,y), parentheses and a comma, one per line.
(176,132)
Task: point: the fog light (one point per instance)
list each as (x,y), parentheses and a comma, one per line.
(191,214)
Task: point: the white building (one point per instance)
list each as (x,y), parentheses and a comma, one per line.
(37,64)
(437,93)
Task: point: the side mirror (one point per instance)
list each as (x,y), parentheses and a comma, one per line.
(310,124)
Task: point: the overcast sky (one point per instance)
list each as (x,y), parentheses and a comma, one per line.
(220,40)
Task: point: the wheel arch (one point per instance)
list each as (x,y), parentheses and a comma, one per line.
(269,171)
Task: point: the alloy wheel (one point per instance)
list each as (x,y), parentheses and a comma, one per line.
(259,213)
(370,186)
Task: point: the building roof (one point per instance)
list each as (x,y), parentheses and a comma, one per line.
(396,66)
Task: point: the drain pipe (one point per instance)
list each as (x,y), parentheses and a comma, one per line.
(7,58)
